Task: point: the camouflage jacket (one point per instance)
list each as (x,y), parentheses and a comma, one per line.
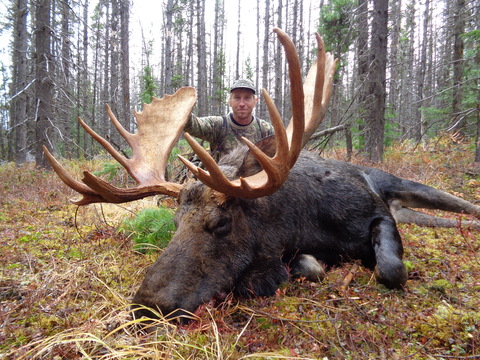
(223,134)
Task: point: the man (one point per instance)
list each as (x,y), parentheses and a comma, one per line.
(225,132)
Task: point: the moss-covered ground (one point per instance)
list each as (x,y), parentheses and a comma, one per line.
(67,276)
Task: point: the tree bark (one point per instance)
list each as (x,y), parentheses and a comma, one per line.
(418,119)
(18,112)
(458,122)
(125,62)
(114,73)
(43,81)
(64,79)
(266,60)
(375,119)
(218,98)
(239,27)
(279,71)
(168,58)
(85,113)
(362,60)
(202,60)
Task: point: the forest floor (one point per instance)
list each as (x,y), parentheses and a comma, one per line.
(67,276)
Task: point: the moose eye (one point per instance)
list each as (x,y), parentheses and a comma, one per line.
(219,226)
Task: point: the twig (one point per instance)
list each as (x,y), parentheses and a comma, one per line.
(348,279)
(259,312)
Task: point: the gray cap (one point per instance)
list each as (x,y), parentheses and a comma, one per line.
(243,84)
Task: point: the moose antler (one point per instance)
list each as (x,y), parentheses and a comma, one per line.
(309,102)
(161,123)
(159,127)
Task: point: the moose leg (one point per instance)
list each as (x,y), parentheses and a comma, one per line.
(262,278)
(388,248)
(402,194)
(409,216)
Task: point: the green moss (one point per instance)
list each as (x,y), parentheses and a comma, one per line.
(440,285)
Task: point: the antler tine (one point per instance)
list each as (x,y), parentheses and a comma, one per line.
(318,89)
(105,144)
(88,195)
(297,123)
(159,127)
(288,142)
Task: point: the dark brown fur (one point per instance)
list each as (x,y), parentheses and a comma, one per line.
(331,210)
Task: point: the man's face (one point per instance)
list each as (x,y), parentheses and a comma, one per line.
(242,102)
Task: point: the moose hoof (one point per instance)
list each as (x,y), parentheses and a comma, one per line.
(393,274)
(309,267)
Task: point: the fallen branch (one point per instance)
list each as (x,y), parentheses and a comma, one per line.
(329,131)
(348,279)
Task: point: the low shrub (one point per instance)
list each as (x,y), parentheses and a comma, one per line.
(151,228)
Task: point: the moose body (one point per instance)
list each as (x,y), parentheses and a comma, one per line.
(327,212)
(264,212)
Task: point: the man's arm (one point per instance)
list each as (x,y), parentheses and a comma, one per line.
(204,128)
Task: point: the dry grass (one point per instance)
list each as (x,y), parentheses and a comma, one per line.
(67,278)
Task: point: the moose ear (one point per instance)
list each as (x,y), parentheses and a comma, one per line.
(250,165)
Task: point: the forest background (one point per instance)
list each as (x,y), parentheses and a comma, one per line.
(407,84)
(408,69)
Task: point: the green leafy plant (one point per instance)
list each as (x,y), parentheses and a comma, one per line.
(151,228)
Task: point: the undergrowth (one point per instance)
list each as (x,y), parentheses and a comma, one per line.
(150,229)
(68,275)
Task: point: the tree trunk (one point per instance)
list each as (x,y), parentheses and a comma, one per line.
(168,58)
(85,113)
(44,81)
(239,27)
(257,62)
(266,59)
(125,62)
(418,120)
(458,122)
(278,70)
(375,119)
(18,112)
(218,98)
(114,73)
(105,83)
(362,60)
(395,65)
(477,83)
(189,72)
(202,60)
(64,80)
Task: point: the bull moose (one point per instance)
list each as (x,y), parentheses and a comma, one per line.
(265,211)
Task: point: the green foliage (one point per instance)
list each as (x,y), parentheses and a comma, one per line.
(335,24)
(249,69)
(358,135)
(221,91)
(149,87)
(391,132)
(178,150)
(151,228)
(109,169)
(177,81)
(473,36)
